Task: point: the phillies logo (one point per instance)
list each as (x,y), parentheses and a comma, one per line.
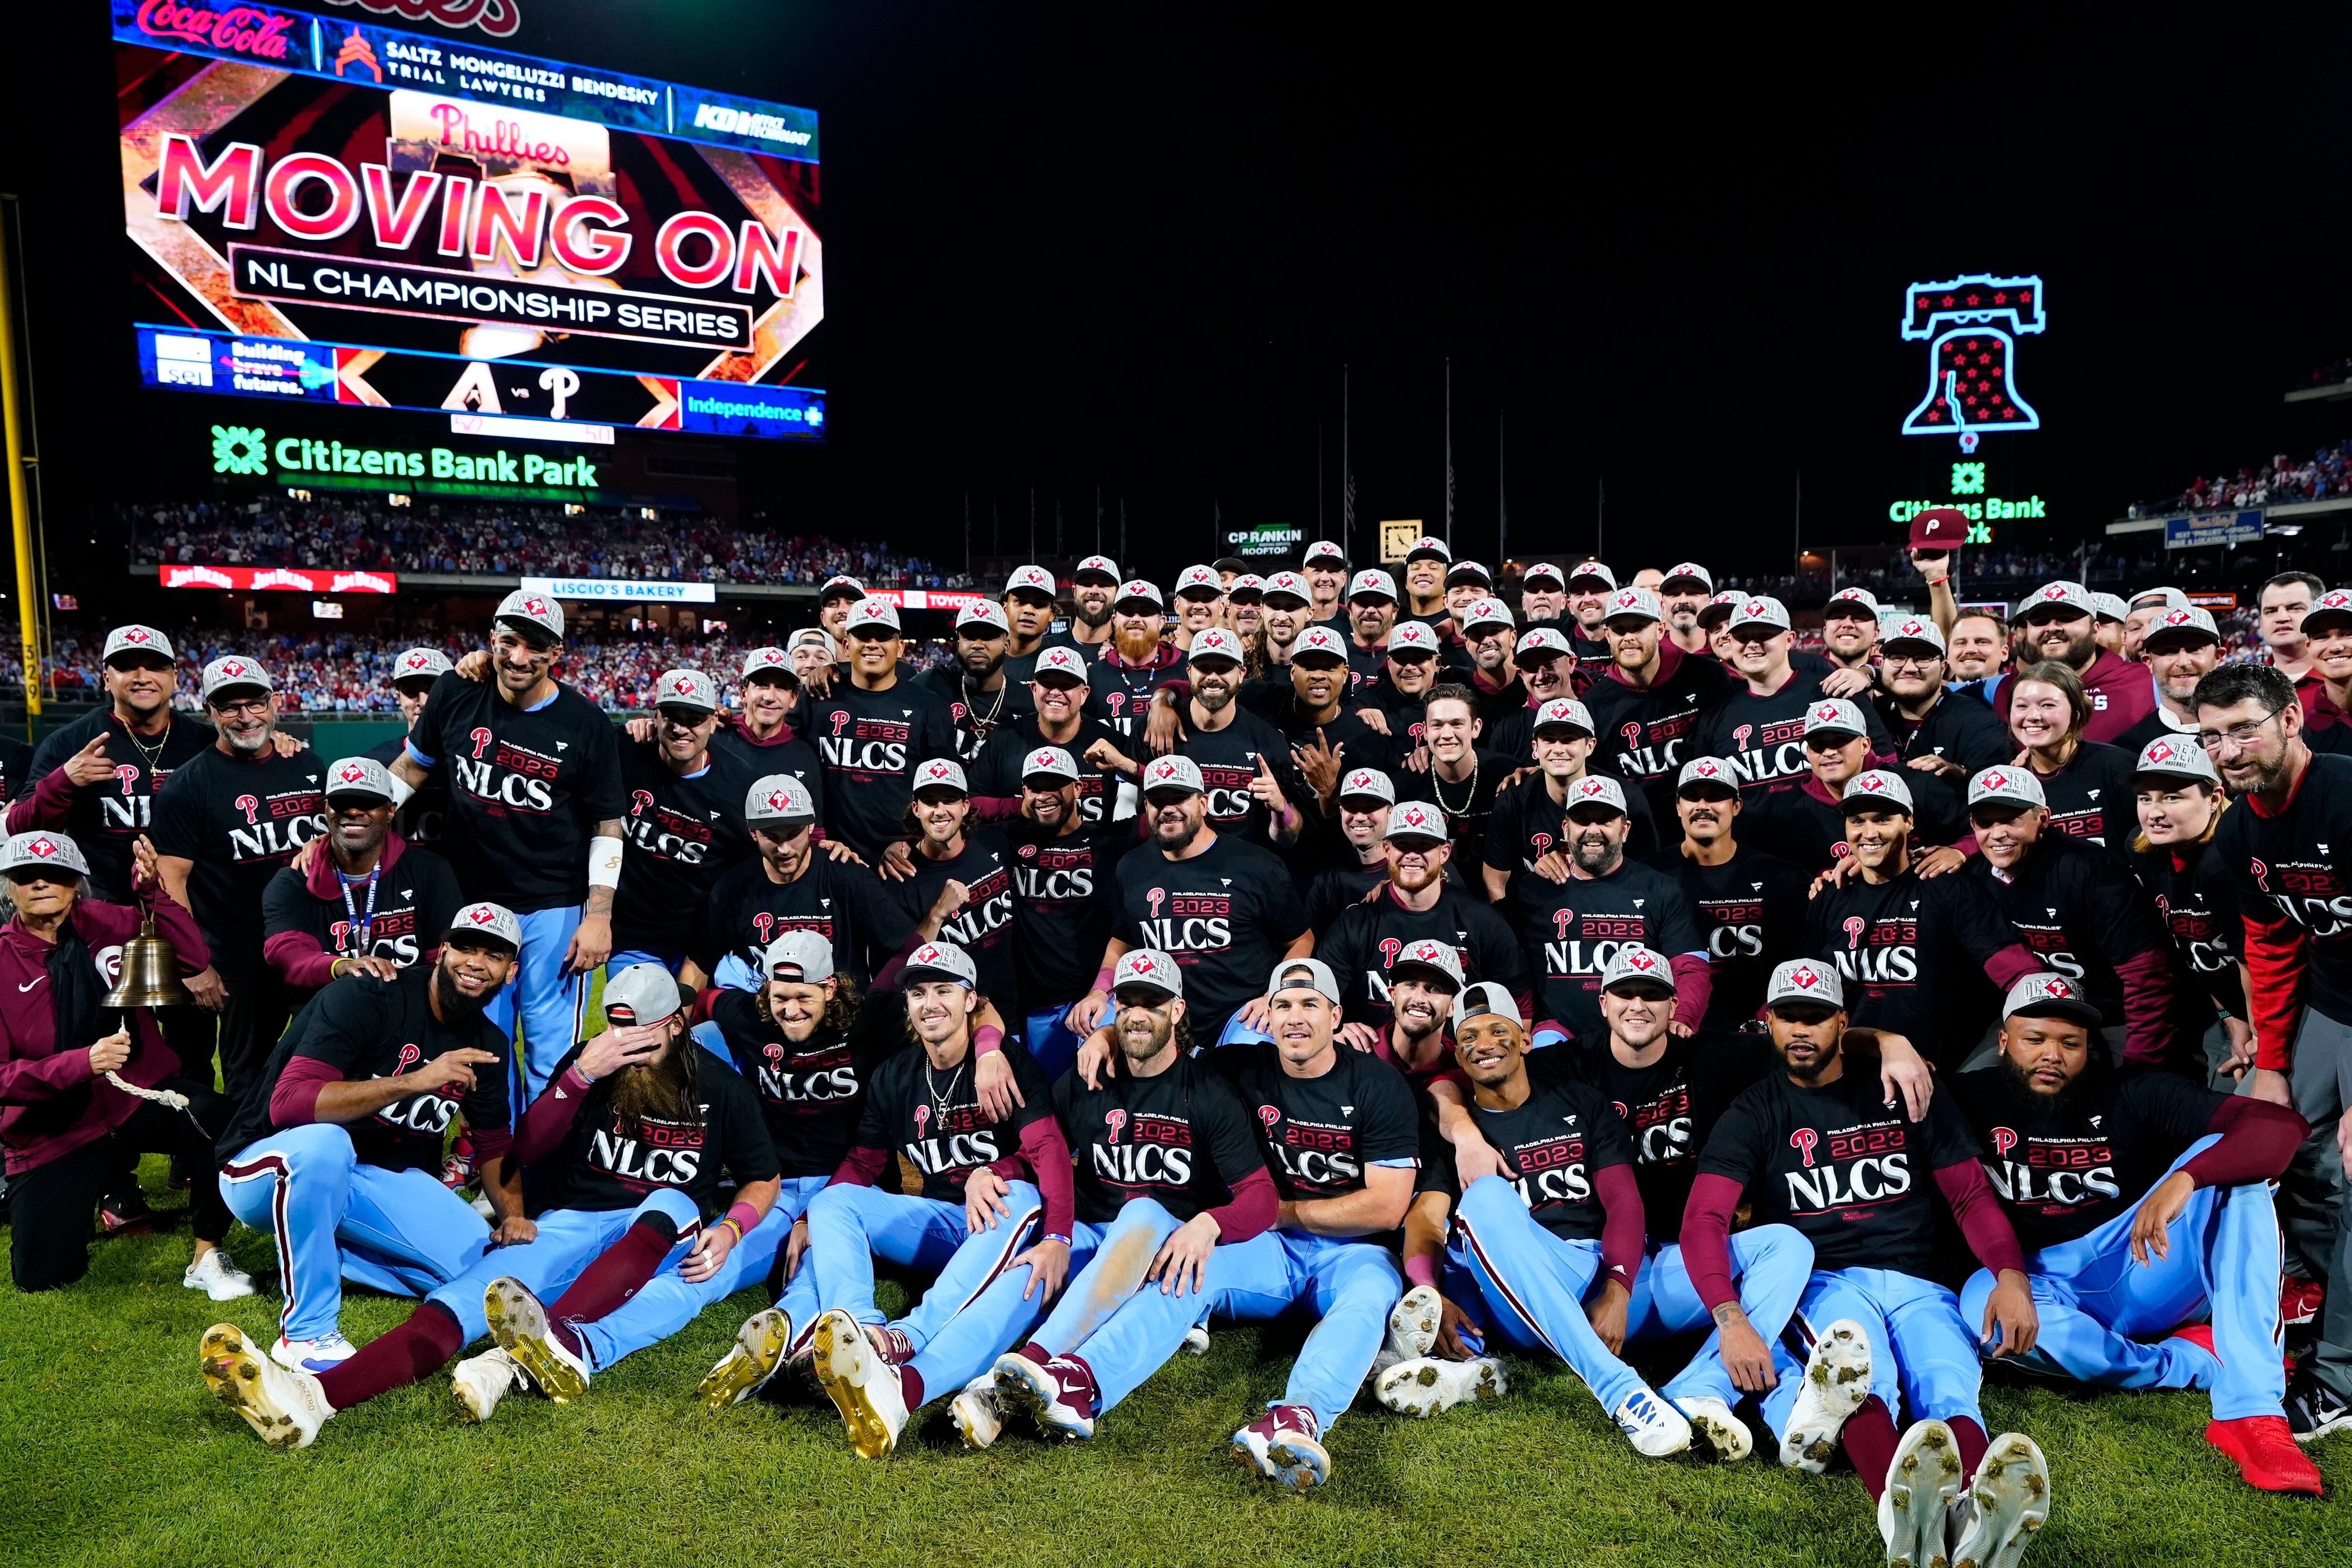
(1629,600)
(1414,817)
(761,923)
(1705,768)
(1806,979)
(481,739)
(534,607)
(339,930)
(2003,1140)
(1269,1115)
(2161,751)
(1632,732)
(1117,701)
(480,914)
(1114,1120)
(1560,919)
(641,800)
(774,1052)
(683,686)
(410,1055)
(1826,714)
(840,722)
(2056,590)
(959,712)
(1635,958)
(1042,762)
(922,1114)
(1854,926)
(779,800)
(2055,989)
(769,656)
(137,636)
(249,806)
(935,773)
(1542,841)
(1910,629)
(246,30)
(1802,1140)
(413,661)
(1870,783)
(1152,899)
(2177,618)
(350,773)
(1991,781)
(1754,608)
(1740,736)
(231,668)
(126,775)
(1389,948)
(41,849)
(1163,771)
(2261,875)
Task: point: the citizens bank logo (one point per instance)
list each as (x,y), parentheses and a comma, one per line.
(499,19)
(241,449)
(248,32)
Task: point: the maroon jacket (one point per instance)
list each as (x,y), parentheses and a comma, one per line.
(298,956)
(50,1102)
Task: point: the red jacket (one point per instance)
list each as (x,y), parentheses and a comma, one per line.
(2122,694)
(50,1102)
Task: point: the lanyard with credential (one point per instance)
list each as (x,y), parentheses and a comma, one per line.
(362,924)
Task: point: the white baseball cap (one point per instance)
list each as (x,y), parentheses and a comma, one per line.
(2045,995)
(1687,572)
(1029,580)
(2006,785)
(641,994)
(1486,996)
(1248,588)
(1876,787)
(1543,640)
(1315,640)
(538,609)
(358,776)
(1631,605)
(1759,610)
(2111,607)
(1468,571)
(1149,969)
(2175,757)
(1430,545)
(1429,954)
(942,961)
(1060,660)
(235,671)
(798,957)
(1367,784)
(1173,773)
(1722,606)
(1804,980)
(1562,713)
(1290,585)
(1136,590)
(1596,789)
(940,773)
(1594,571)
(1049,762)
(1632,961)
(145,640)
(778,798)
(770,658)
(815,637)
(1861,598)
(2071,597)
(2170,598)
(2190,622)
(1304,974)
(1096,568)
(1412,634)
(2333,604)
(1416,819)
(416,664)
(42,848)
(983,612)
(1199,582)
(495,921)
(1711,772)
(1214,643)
(686,688)
(1912,630)
(1323,550)
(840,585)
(1486,612)
(1372,583)
(1834,715)
(1544,572)
(872,612)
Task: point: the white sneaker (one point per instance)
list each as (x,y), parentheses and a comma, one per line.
(519,1326)
(313,1355)
(1413,1329)
(977,1414)
(480,1382)
(218,1276)
(1724,1432)
(1837,1380)
(862,1385)
(1653,1426)
(285,1408)
(744,1370)
(2007,1501)
(1922,1481)
(1196,1340)
(1424,1385)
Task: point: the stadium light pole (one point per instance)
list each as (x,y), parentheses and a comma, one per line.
(20,505)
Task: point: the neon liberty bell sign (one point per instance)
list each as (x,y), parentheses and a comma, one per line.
(1970,325)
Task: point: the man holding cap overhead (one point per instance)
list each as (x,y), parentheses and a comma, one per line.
(369,904)
(2180,648)
(683,827)
(336,1150)
(1759,727)
(1933,732)
(536,804)
(2068,1142)
(1419,902)
(1064,869)
(1646,705)
(424,816)
(2060,624)
(872,733)
(791,883)
(235,814)
(977,687)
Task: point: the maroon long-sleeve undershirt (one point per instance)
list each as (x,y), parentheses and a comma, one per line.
(294,1103)
(1624,1229)
(2011,965)
(1250,1212)
(2147,1006)
(1045,1159)
(2257,1141)
(1977,1209)
(1693,986)
(551,1116)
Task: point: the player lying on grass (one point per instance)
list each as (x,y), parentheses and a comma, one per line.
(2069,1138)
(1814,1146)
(622,1154)
(1546,1274)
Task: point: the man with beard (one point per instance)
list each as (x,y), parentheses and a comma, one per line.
(369,904)
(1372,617)
(1543,596)
(2180,648)
(1490,639)
(2143,608)
(791,883)
(2279,847)
(1419,903)
(1682,594)
(1462,777)
(1935,730)
(423,818)
(1648,703)
(1307,703)
(336,1150)
(976,686)
(683,829)
(1806,825)
(232,815)
(1223,908)
(1245,605)
(1750,904)
(1093,585)
(1811,1146)
(874,732)
(1325,568)
(1289,606)
(1572,926)
(1136,663)
(1057,718)
(1063,873)
(2060,623)
(2080,912)
(2070,1139)
(1523,834)
(1244,762)
(1390,701)
(1850,629)
(1759,726)
(1906,942)
(623,1157)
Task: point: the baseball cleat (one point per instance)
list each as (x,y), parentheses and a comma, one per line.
(313,1355)
(1044,1395)
(978,1414)
(285,1408)
(480,1382)
(1714,1420)
(1196,1340)
(862,1385)
(2265,1450)
(1923,1480)
(1284,1445)
(218,1276)
(1424,1385)
(1413,1329)
(1837,1380)
(2299,1302)
(519,1326)
(744,1370)
(1653,1426)
(2007,1501)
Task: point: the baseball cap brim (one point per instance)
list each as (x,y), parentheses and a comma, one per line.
(2073,1009)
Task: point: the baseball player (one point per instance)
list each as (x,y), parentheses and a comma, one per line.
(1064,866)
(423,818)
(684,828)
(1523,832)
(770,685)
(1806,824)
(872,730)
(367,903)
(791,884)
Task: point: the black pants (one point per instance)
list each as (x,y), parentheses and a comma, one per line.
(255,1016)
(51,1205)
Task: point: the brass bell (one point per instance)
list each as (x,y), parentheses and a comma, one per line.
(150,973)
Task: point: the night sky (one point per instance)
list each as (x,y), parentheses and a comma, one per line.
(1071,250)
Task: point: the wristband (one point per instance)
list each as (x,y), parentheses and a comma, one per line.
(401,791)
(987,1038)
(1102,980)
(1062,1239)
(603,862)
(728,1221)
(743,1217)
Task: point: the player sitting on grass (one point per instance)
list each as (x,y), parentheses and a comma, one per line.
(2069,1139)
(622,1154)
(1815,1147)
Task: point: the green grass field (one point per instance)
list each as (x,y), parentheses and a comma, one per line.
(115,1455)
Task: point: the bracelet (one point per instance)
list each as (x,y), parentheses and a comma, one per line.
(1062,1239)
(333,973)
(728,1221)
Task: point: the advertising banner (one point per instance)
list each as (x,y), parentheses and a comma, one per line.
(327,210)
(2209,528)
(618,589)
(262,579)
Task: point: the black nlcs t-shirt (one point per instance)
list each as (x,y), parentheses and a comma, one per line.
(425,820)
(1571,929)
(2064,1170)
(998,772)
(1180,1138)
(527,788)
(1644,733)
(2090,796)
(416,897)
(935,1119)
(1911,953)
(808,1092)
(107,818)
(846,904)
(1467,805)
(1752,908)
(794,756)
(1763,738)
(1807,831)
(1856,1178)
(2199,908)
(1552,1145)
(1320,1134)
(2079,911)
(980,718)
(1367,939)
(2290,867)
(366,1028)
(984,927)
(1064,888)
(1225,915)
(610,1161)
(238,823)
(871,743)
(1228,759)
(1524,825)
(1669,1107)
(683,833)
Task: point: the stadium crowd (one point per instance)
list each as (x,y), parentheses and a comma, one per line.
(2325,475)
(1573,979)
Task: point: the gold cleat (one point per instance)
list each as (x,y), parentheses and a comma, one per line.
(744,1370)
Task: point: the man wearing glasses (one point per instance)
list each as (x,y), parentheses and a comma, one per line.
(2280,851)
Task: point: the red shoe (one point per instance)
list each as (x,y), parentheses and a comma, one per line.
(2299,1302)
(2265,1454)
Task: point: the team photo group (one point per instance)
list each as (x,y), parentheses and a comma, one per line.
(1570,967)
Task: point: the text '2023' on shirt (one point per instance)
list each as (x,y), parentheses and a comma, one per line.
(845,903)
(610,1158)
(683,832)
(810,1091)
(1320,1134)
(1571,929)
(935,1119)
(1224,916)
(1180,1137)
(1552,1145)
(871,743)
(238,823)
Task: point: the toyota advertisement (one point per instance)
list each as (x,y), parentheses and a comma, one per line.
(324,210)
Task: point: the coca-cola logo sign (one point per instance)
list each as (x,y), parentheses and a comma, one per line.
(499,19)
(253,32)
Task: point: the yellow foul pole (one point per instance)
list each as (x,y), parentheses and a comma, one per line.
(20,505)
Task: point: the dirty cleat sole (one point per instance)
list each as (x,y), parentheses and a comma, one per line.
(1423,1386)
(519,1326)
(245,1381)
(847,1366)
(2011,1492)
(1837,1380)
(744,1370)
(1922,1481)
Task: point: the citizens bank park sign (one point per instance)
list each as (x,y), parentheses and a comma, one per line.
(322,209)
